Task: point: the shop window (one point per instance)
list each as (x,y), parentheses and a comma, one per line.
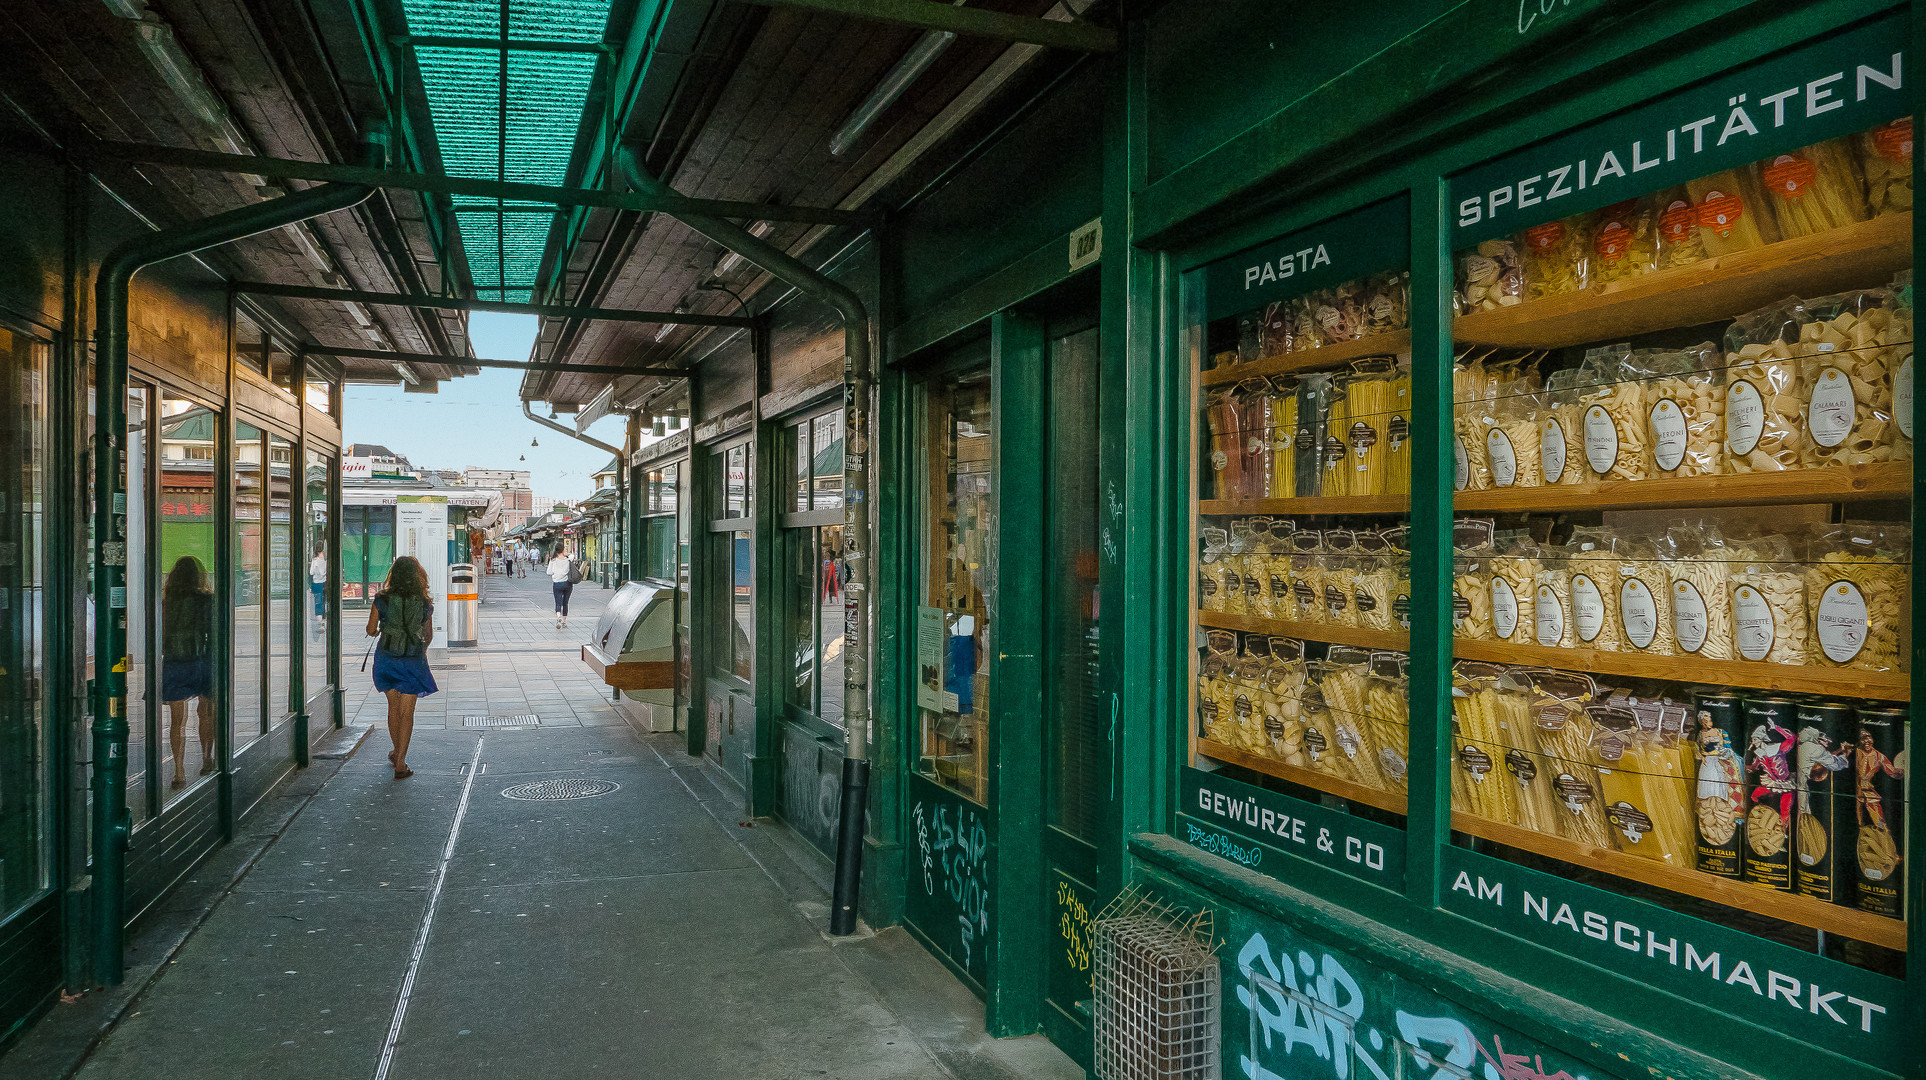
(189,534)
(317,620)
(280,579)
(1078,753)
(318,392)
(26,808)
(136,476)
(250,344)
(958,587)
(734,539)
(248,588)
(661,548)
(812,539)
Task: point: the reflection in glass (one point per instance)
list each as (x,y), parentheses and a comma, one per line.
(800,450)
(816,622)
(736,481)
(742,643)
(135,473)
(318,394)
(249,581)
(827,455)
(960,581)
(1076,792)
(250,344)
(280,571)
(25,808)
(188,530)
(315,614)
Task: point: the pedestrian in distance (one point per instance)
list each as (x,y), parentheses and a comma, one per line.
(563,575)
(187,661)
(318,583)
(521,563)
(404,617)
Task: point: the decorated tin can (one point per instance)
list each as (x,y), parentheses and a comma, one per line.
(1822,832)
(1879,809)
(1772,791)
(1718,737)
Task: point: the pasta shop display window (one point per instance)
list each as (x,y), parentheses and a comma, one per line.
(1302,595)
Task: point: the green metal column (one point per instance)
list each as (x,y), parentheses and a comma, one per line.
(111,822)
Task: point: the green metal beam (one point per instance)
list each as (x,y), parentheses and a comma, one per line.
(976,22)
(284,169)
(512,365)
(450,303)
(447,41)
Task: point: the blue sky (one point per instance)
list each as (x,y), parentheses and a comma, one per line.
(478,420)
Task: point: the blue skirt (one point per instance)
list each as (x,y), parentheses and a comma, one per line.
(185,677)
(408,674)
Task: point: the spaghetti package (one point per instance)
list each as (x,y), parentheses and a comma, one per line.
(1625,241)
(1551,605)
(1514,576)
(1369,400)
(1764,405)
(1857,578)
(1224,420)
(1343,679)
(1387,711)
(1733,215)
(1679,242)
(1259,417)
(1684,409)
(1595,591)
(1397,431)
(1564,733)
(1557,256)
(1511,436)
(1768,602)
(1490,276)
(1561,430)
(1483,717)
(1612,417)
(1849,348)
(1279,329)
(1283,436)
(1698,566)
(1814,189)
(1644,601)
(1645,771)
(1313,394)
(1886,160)
(1335,471)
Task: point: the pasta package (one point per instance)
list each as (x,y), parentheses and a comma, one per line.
(1213,547)
(1259,432)
(1283,703)
(1815,189)
(1214,687)
(1334,478)
(1594,591)
(1470,592)
(1236,563)
(1308,444)
(1625,241)
(1224,419)
(1280,329)
(1697,566)
(1374,582)
(1848,351)
(1614,424)
(1260,567)
(1684,409)
(1397,433)
(1886,160)
(1307,576)
(1481,718)
(1514,576)
(1764,406)
(1369,403)
(1564,733)
(1472,387)
(1677,228)
(1856,584)
(1344,679)
(1283,463)
(1552,600)
(1512,438)
(1644,771)
(1561,431)
(1339,569)
(1903,369)
(1733,215)
(1644,601)
(1387,302)
(1490,276)
(1339,313)
(1768,602)
(1556,256)
(1387,708)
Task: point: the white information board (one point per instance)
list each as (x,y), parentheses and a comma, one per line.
(421,530)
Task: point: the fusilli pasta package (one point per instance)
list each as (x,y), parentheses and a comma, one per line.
(1857,577)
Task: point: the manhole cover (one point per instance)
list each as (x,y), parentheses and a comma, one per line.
(519,720)
(556,790)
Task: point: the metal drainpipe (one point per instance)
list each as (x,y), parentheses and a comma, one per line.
(857,378)
(111,823)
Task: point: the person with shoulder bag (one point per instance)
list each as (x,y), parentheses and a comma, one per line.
(564,575)
(403,616)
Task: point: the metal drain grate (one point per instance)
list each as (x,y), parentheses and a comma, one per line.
(557,790)
(518,720)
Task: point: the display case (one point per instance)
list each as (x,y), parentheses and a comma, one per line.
(1663,708)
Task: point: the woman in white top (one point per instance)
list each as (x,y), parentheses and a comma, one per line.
(559,571)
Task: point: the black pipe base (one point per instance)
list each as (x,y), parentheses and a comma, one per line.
(849,848)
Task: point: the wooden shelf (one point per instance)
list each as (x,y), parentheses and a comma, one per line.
(1854,256)
(1334,504)
(1383,800)
(1784,678)
(1396,641)
(1325,356)
(1850,483)
(1791,907)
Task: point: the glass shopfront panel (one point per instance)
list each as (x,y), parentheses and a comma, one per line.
(954,640)
(280,579)
(249,548)
(137,474)
(734,539)
(26,749)
(189,539)
(813,547)
(317,626)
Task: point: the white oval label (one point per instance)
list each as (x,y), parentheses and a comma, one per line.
(1841,621)
(1504,462)
(1744,417)
(1462,476)
(1829,411)
(1752,628)
(1690,621)
(1550,617)
(1903,396)
(1601,440)
(1504,608)
(1551,451)
(1668,434)
(1588,607)
(1637,613)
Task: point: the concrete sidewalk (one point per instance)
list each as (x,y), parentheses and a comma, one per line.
(644,932)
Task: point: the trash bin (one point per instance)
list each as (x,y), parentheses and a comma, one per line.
(464,606)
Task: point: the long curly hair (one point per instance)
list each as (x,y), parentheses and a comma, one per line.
(406,578)
(187,578)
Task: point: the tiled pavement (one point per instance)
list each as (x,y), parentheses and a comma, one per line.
(522,664)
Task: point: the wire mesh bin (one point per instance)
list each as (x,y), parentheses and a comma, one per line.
(1158,990)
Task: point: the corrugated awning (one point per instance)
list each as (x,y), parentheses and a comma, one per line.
(506,103)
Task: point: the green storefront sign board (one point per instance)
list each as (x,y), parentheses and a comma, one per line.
(949,888)
(1222,816)
(1850,1010)
(1842,84)
(1342,249)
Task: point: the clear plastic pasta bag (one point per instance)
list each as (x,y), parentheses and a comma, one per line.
(1613,420)
(1513,579)
(1490,276)
(1679,242)
(1857,577)
(1213,544)
(1886,160)
(1849,348)
(1684,409)
(1815,189)
(1557,256)
(1764,403)
(1768,602)
(1511,435)
(1733,215)
(1561,430)
(1698,568)
(1625,241)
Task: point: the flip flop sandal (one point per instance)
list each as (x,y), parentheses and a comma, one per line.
(403,774)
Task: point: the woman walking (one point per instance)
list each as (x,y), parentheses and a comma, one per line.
(561,572)
(404,616)
(187,661)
